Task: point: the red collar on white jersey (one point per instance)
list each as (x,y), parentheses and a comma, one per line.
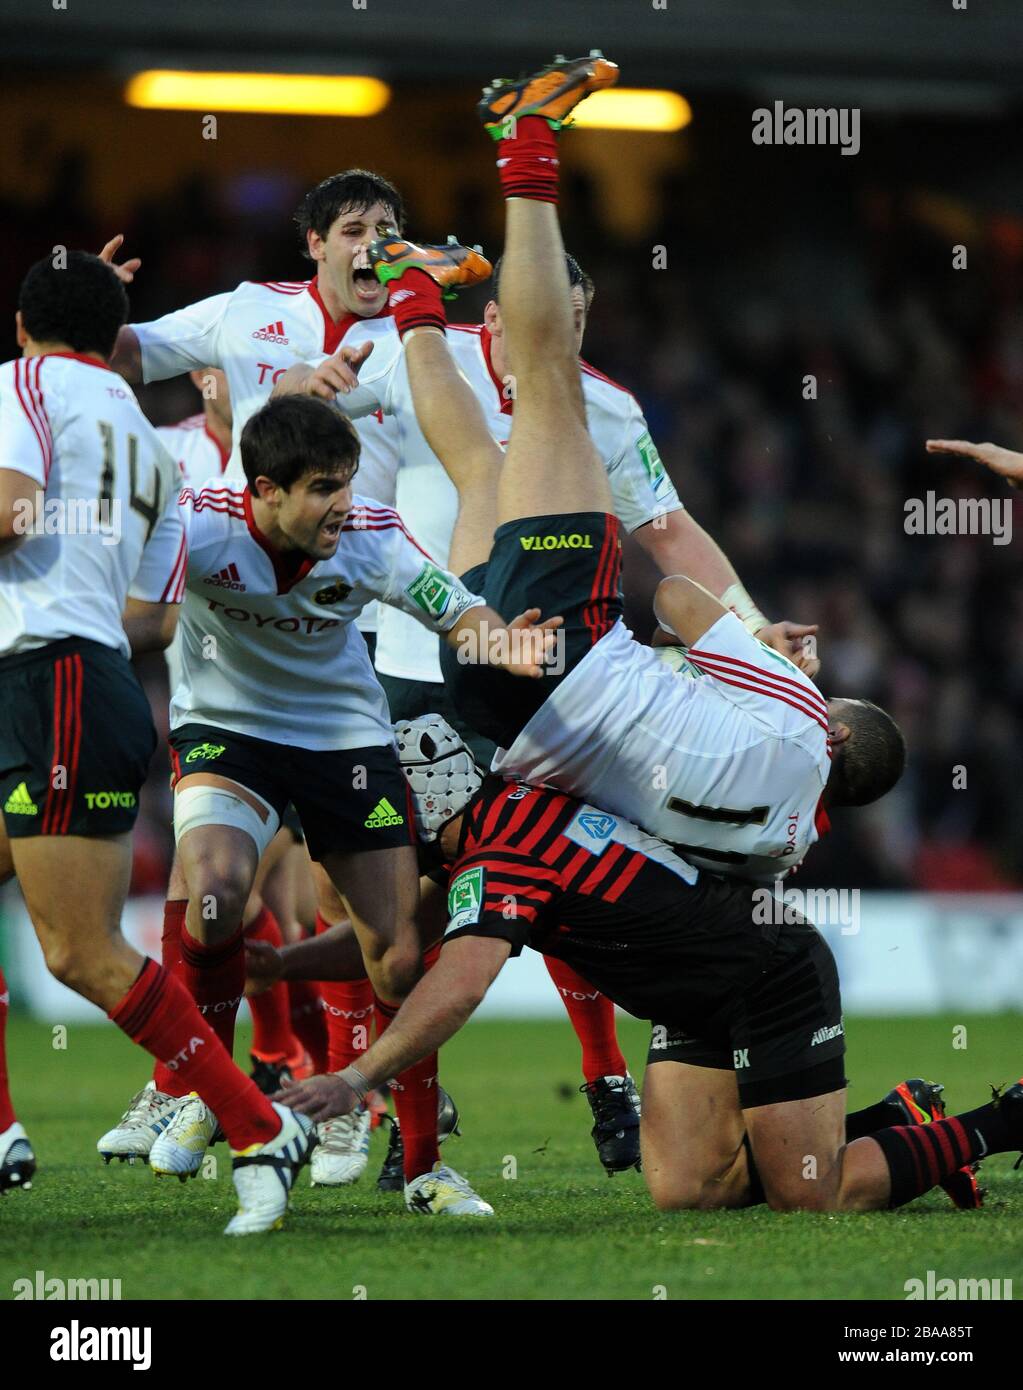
(334,330)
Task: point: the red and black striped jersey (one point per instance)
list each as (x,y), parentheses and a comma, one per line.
(539,868)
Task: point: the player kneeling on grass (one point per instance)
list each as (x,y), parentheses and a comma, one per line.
(744,1095)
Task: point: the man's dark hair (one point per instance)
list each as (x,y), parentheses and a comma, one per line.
(81,305)
(295,435)
(354,190)
(872,758)
(576,276)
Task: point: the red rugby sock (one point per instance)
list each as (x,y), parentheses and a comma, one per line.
(527,161)
(7,1116)
(215,978)
(593,1018)
(159,1014)
(272,1039)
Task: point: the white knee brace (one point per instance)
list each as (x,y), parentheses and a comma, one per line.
(197,806)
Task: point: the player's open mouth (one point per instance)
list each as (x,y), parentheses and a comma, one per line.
(331,530)
(365,282)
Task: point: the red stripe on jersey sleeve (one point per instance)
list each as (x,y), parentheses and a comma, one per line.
(175,585)
(27,403)
(761,689)
(808,692)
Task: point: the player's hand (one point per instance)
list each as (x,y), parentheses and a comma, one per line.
(125,272)
(321,1097)
(791,640)
(263,966)
(533,646)
(337,375)
(1004,462)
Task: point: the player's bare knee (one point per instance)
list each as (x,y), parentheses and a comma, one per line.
(398,970)
(221,893)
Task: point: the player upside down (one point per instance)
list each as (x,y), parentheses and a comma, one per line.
(549,504)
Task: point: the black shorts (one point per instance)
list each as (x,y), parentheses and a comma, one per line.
(409,699)
(568,564)
(348,800)
(783,1036)
(76,740)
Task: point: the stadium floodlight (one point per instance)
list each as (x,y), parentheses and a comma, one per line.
(268,93)
(634,108)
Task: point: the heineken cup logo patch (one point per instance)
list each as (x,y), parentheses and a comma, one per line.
(465,898)
(651,458)
(431,590)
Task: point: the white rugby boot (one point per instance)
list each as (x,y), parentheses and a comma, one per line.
(342,1152)
(180,1149)
(147,1116)
(443,1192)
(264,1174)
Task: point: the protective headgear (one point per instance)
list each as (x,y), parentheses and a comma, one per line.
(442,774)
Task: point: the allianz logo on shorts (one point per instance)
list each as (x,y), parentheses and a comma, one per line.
(209,751)
(103,801)
(572,542)
(382,814)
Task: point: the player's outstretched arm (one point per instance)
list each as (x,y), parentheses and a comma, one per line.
(1005,462)
(678,544)
(523,647)
(126,359)
(443,1000)
(334,376)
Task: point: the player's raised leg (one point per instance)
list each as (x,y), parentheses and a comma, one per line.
(550,416)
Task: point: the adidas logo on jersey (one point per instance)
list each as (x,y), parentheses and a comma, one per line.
(272,333)
(382,814)
(227,578)
(19,803)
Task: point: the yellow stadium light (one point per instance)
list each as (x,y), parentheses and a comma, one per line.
(271,93)
(634,108)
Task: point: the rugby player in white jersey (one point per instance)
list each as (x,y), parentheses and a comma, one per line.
(408,659)
(278,703)
(529,864)
(201,446)
(731,767)
(90,530)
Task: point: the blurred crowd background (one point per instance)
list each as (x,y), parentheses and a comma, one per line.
(778,264)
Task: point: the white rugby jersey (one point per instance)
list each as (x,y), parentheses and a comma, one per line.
(641,489)
(728,768)
(254,333)
(107,524)
(198,454)
(268,642)
(195,449)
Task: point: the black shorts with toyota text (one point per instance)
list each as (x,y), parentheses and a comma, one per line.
(568,565)
(347,800)
(76,740)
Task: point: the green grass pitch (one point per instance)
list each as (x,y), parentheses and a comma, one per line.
(562,1230)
